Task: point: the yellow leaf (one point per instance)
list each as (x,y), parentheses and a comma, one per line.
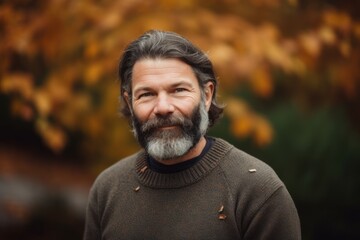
(242,126)
(337,19)
(240,116)
(91,49)
(110,20)
(254,44)
(311,43)
(59,90)
(327,35)
(53,136)
(236,108)
(262,83)
(278,56)
(93,73)
(244,66)
(263,133)
(269,32)
(42,102)
(221,54)
(17,83)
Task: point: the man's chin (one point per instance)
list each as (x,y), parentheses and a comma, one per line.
(168,148)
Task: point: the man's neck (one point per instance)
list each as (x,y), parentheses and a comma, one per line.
(194,152)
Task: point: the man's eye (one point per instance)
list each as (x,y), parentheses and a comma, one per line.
(146,94)
(177,90)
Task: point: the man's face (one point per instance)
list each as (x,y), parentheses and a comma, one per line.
(169,112)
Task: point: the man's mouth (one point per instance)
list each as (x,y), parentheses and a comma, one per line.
(168,127)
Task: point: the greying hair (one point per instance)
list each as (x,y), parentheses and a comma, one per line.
(156,44)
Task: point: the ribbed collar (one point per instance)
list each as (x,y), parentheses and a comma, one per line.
(183,178)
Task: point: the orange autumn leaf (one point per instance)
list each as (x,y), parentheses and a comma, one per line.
(236,108)
(42,102)
(261,83)
(91,49)
(327,35)
(277,55)
(221,54)
(263,132)
(59,91)
(93,73)
(242,127)
(53,136)
(311,44)
(337,19)
(18,83)
(71,57)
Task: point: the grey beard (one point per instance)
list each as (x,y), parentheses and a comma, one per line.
(174,143)
(164,148)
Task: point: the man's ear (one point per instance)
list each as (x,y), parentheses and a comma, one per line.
(209,91)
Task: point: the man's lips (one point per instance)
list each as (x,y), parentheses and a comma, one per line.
(168,127)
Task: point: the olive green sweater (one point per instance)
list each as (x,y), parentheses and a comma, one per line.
(228,194)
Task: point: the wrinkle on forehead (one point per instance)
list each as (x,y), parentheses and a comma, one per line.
(154,69)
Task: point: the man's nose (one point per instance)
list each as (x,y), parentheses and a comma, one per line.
(163,105)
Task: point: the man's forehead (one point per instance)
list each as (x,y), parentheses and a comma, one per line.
(148,69)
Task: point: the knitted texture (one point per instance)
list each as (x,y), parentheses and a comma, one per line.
(228,194)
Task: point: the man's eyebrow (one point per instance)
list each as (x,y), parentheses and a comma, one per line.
(174,85)
(142,88)
(181,83)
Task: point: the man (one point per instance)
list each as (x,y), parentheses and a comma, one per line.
(183,184)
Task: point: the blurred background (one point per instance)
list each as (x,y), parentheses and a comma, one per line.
(289,72)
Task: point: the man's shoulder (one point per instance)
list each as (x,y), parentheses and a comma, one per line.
(243,170)
(245,162)
(121,170)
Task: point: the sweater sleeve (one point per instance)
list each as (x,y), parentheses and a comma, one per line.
(92,223)
(277,219)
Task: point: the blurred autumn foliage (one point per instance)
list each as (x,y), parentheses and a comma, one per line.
(59,58)
(282,64)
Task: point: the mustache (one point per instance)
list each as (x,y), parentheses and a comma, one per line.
(159,122)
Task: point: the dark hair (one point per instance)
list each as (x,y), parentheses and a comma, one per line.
(160,44)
